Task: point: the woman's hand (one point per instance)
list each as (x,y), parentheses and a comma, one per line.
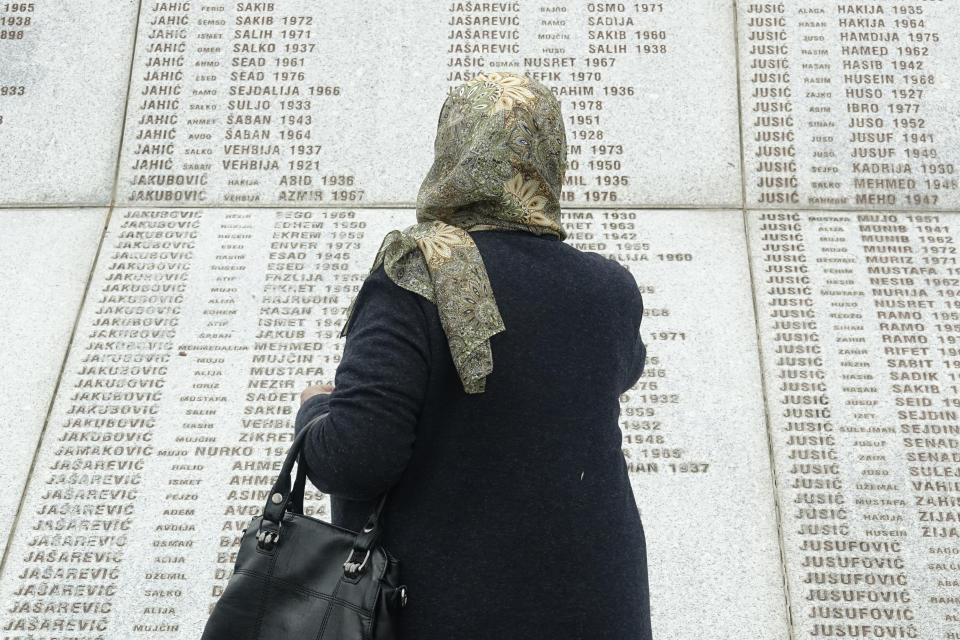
(314,390)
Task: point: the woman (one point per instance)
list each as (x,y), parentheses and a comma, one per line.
(510,506)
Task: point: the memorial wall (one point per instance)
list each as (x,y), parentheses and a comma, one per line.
(191,194)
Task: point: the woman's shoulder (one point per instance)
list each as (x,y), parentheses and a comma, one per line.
(618,275)
(379,290)
(379,282)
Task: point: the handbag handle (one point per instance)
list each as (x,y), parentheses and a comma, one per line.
(282,499)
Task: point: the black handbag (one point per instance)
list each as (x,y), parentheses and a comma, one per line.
(300,578)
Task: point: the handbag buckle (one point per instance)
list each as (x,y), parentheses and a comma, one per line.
(350,568)
(267,539)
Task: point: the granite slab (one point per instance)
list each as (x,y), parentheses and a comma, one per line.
(63,86)
(294,104)
(858,319)
(202,326)
(46,256)
(850,105)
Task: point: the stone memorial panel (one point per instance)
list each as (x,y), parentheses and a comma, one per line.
(302,104)
(859,315)
(695,442)
(201,327)
(64,67)
(46,256)
(849,105)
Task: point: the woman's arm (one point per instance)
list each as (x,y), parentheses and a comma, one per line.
(361,448)
(312,407)
(638,350)
(637,364)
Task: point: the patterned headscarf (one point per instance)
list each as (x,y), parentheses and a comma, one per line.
(500,159)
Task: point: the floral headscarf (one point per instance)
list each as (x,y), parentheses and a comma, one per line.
(500,158)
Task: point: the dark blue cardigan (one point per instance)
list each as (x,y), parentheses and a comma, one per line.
(511,511)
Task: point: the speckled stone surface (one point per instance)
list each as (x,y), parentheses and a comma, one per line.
(793,440)
(45,259)
(858,320)
(63,86)
(694,429)
(850,105)
(244,311)
(246,107)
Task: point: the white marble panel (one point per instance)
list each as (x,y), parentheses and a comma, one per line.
(148,441)
(859,315)
(46,256)
(202,283)
(694,426)
(64,67)
(298,104)
(850,105)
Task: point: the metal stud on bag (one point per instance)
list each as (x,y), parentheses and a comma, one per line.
(352,568)
(268,539)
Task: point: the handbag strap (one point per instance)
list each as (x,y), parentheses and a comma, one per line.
(282,498)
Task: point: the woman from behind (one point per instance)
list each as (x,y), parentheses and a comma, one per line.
(480,384)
